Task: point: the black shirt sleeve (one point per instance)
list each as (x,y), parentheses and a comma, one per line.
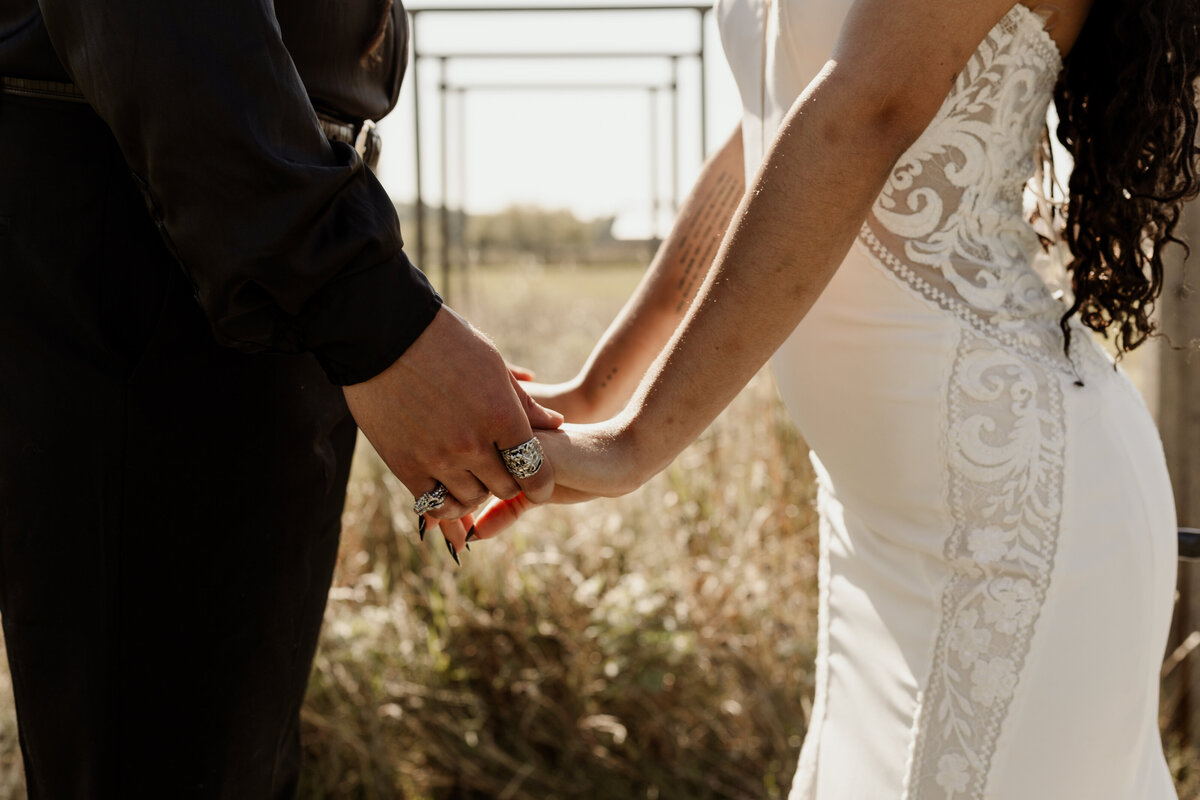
(289,239)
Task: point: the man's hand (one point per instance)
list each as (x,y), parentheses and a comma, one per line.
(442,412)
(592,461)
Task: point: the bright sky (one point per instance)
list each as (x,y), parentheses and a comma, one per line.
(586,150)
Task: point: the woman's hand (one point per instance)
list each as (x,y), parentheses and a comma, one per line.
(573,400)
(589,461)
(578,400)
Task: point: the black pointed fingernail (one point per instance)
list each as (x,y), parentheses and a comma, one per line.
(471,533)
(453,552)
(421,526)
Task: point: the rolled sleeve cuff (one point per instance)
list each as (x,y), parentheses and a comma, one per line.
(363,321)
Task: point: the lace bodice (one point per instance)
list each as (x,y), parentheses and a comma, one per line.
(950,221)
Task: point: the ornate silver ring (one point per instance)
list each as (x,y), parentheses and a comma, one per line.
(435,498)
(524,460)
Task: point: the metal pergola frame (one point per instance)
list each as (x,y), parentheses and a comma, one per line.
(462,89)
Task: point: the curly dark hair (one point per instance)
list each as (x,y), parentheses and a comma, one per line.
(1126,103)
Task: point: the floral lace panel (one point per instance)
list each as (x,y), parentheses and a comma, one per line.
(950,221)
(1006,446)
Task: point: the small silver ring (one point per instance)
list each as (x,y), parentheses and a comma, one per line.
(524,460)
(434,498)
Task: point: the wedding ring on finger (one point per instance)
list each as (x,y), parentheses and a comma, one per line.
(524,460)
(434,498)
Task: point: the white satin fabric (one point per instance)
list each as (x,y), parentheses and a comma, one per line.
(998,533)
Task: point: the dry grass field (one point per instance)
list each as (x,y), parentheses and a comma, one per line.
(657,646)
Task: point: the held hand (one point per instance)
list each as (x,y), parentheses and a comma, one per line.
(520,373)
(568,399)
(578,400)
(590,461)
(442,412)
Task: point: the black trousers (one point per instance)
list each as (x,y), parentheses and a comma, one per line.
(169,509)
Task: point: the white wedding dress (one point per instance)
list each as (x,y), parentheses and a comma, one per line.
(998,545)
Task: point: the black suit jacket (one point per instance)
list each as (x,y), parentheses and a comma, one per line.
(290,241)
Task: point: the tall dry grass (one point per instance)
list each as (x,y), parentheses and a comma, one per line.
(655,646)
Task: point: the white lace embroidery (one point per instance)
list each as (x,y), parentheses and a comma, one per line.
(949,222)
(949,226)
(1006,446)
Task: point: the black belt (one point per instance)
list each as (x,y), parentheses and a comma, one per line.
(361,136)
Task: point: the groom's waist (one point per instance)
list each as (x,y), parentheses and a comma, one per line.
(359,134)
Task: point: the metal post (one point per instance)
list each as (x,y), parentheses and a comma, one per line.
(654,193)
(1179,423)
(445,182)
(674,135)
(700,54)
(419,209)
(703,86)
(461,239)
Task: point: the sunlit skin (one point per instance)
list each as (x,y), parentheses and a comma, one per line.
(889,73)
(440,412)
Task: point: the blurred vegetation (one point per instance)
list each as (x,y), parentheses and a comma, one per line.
(523,234)
(655,646)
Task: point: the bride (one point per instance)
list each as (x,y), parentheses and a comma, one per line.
(998,540)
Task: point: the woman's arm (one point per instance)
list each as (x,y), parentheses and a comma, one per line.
(657,307)
(890,72)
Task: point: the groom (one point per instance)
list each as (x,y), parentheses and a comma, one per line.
(197,272)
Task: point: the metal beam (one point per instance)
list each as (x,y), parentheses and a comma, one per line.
(421,9)
(554,87)
(462,88)
(598,55)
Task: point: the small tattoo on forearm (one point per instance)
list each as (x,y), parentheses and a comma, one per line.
(698,242)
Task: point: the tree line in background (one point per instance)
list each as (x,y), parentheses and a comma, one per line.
(522,234)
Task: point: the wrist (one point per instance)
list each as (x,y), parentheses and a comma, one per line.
(633,452)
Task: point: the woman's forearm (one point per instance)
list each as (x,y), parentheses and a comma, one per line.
(802,213)
(649,318)
(889,74)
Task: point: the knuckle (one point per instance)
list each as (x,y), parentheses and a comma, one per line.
(474,500)
(508,491)
(539,493)
(449,510)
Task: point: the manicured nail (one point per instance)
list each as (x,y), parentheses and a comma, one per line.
(421,526)
(471,533)
(453,552)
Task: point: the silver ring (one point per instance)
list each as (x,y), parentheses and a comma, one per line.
(435,498)
(524,460)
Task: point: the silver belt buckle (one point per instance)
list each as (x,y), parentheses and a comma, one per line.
(364,135)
